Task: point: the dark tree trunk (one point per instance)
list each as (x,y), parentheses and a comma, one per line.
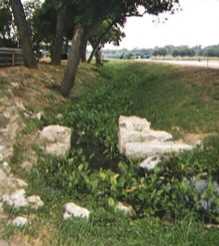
(90,58)
(96,46)
(92,53)
(58,44)
(98,53)
(25,33)
(98,56)
(84,49)
(66,48)
(73,61)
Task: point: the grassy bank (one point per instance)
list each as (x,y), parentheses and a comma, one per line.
(182,101)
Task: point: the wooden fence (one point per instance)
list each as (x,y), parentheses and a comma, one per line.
(11,57)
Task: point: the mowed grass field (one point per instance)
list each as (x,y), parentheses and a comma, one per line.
(184,101)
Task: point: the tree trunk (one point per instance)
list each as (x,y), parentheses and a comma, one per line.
(95,48)
(98,53)
(66,48)
(58,44)
(84,49)
(25,33)
(92,53)
(73,61)
(98,56)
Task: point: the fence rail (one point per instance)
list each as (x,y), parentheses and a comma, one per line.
(11,57)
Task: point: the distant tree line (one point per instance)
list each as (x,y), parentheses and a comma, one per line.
(185,51)
(128,54)
(170,50)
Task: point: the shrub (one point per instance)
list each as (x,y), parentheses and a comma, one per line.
(96,168)
(167,191)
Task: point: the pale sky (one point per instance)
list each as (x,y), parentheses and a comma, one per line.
(196,24)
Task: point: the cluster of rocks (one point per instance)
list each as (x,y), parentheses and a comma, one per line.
(12,194)
(17,200)
(10,123)
(71,210)
(8,194)
(137,141)
(8,182)
(56,141)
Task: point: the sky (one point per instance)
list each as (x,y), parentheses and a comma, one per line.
(196,24)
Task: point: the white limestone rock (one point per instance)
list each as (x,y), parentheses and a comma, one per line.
(20,221)
(125,209)
(152,135)
(138,141)
(72,210)
(6,167)
(56,140)
(15,85)
(35,202)
(150,163)
(16,199)
(130,130)
(126,137)
(20,183)
(134,123)
(137,151)
(39,115)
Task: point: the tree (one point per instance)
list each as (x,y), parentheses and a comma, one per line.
(160,52)
(95,12)
(101,36)
(84,48)
(6,36)
(25,33)
(73,61)
(44,26)
(59,37)
(87,33)
(54,24)
(183,51)
(114,36)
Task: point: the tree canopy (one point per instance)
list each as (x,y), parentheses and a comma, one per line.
(97,21)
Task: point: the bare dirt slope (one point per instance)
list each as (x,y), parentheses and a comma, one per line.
(24,96)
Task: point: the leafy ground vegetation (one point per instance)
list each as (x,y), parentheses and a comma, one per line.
(183,101)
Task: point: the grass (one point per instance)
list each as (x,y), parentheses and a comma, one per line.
(117,230)
(180,100)
(167,97)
